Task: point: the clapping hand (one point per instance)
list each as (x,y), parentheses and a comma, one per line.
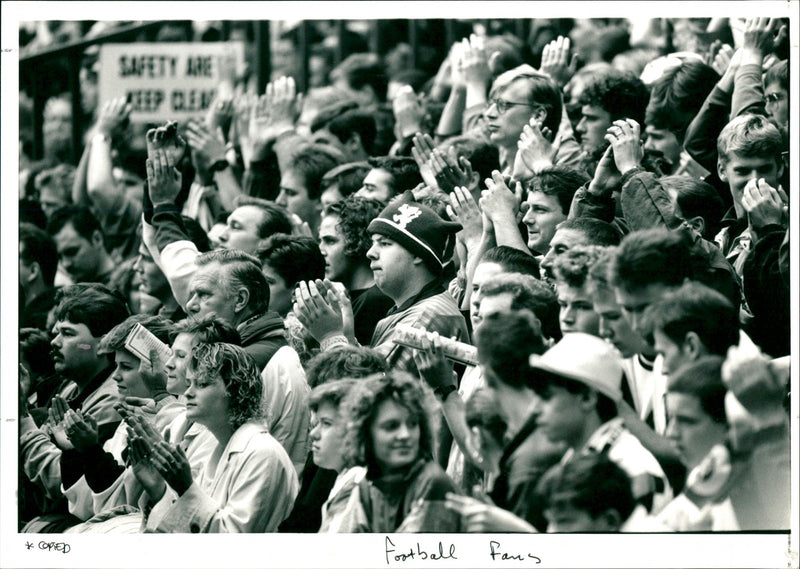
(82,431)
(450,170)
(764,205)
(422,152)
(465,211)
(625,139)
(556,62)
(113,116)
(55,418)
(534,151)
(163,179)
(324,309)
(499,202)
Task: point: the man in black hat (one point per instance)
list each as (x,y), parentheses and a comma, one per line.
(410,247)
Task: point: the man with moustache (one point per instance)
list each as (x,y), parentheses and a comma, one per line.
(84,314)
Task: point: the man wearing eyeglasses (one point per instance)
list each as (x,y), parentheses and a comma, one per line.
(518,96)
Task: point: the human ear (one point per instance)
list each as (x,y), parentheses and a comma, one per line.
(693,345)
(242,299)
(721,170)
(698,224)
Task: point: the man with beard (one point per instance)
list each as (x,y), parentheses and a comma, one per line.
(609,97)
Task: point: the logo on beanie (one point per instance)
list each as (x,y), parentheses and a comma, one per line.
(406,214)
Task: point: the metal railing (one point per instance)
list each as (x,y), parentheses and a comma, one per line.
(31,65)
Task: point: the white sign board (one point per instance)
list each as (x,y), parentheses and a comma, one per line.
(165,80)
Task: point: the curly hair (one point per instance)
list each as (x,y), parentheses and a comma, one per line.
(354,215)
(240,374)
(621,95)
(573,266)
(360,410)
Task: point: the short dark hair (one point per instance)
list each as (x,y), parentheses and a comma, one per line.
(359,122)
(34,348)
(505,342)
(209,329)
(241,269)
(344,362)
(597,232)
(697,198)
(482,156)
(651,256)
(621,95)
(159,326)
(695,308)
(703,379)
(93,304)
(676,97)
(559,181)
(294,257)
(483,411)
(512,260)
(403,170)
(572,267)
(38,247)
(591,483)
(531,293)
(276,218)
(355,214)
(81,218)
(312,162)
(349,177)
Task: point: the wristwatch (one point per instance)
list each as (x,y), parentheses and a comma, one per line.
(443,391)
(219,165)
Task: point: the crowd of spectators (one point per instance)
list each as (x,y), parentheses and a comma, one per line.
(538,284)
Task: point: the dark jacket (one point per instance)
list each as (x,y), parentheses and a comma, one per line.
(262,336)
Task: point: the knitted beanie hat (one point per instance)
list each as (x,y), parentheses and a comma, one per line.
(419,230)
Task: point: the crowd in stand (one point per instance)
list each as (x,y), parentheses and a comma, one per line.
(542,289)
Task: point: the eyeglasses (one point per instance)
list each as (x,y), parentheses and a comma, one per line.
(503,105)
(774,97)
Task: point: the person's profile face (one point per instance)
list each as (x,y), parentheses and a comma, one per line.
(294,197)
(614,327)
(592,128)
(777,104)
(327,437)
(331,245)
(691,429)
(391,265)
(242,229)
(576,310)
(79,256)
(126,374)
(73,348)
(207,293)
(377,186)
(176,365)
(634,301)
(664,147)
(280,295)
(483,272)
(562,241)
(673,354)
(541,218)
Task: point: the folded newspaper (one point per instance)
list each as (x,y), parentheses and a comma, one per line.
(141,341)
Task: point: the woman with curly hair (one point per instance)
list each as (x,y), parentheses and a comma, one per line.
(389,431)
(248,483)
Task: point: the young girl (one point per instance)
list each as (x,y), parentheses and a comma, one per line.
(389,432)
